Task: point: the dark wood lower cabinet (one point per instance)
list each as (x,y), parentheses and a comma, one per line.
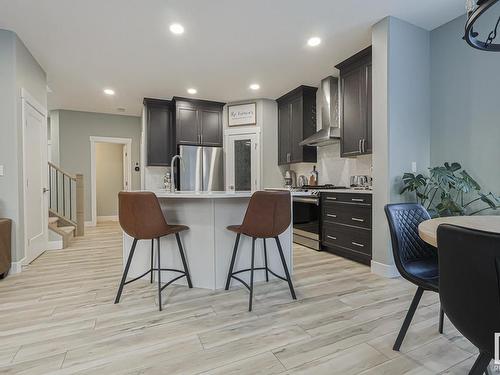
(347,225)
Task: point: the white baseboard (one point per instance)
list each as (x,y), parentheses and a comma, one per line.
(55,245)
(101,219)
(385,270)
(89,223)
(17,267)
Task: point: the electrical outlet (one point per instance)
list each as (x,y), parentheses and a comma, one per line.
(413,166)
(1,170)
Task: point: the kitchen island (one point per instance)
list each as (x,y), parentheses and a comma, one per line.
(208,244)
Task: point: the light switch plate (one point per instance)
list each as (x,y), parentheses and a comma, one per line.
(1,170)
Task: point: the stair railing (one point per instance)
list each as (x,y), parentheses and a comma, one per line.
(66,197)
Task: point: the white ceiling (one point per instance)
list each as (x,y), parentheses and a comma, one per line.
(87,45)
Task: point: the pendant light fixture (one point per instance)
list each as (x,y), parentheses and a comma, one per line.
(476,9)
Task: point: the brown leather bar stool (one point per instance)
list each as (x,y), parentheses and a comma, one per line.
(268,215)
(142,218)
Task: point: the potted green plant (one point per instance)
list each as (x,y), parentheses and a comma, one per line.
(449,191)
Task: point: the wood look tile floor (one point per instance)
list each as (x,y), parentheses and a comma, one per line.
(58,317)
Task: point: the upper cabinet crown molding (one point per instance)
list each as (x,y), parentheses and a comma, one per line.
(296,121)
(356,104)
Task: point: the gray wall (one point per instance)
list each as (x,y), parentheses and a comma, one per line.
(75,130)
(465,87)
(401,119)
(18,69)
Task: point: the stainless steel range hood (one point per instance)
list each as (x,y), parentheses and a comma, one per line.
(329,102)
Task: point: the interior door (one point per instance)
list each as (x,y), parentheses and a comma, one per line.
(35,181)
(242,163)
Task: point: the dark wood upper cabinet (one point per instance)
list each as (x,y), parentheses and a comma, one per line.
(356,104)
(160,132)
(296,121)
(198,122)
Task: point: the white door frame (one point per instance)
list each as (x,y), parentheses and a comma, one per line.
(28,99)
(127,142)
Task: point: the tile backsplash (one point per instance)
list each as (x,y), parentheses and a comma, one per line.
(332,168)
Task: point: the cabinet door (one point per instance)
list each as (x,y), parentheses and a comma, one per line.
(160,136)
(284,152)
(297,131)
(187,126)
(368,106)
(211,127)
(353,121)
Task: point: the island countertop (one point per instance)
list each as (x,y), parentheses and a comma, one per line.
(210,194)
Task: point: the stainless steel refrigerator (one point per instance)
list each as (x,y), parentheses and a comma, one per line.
(201,168)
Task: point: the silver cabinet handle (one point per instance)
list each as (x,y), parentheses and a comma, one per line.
(357,200)
(356,219)
(358,244)
(331,198)
(359,146)
(332,238)
(331,215)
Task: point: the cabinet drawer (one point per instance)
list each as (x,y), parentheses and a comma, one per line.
(356,198)
(356,239)
(350,214)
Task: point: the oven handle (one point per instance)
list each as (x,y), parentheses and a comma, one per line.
(306,200)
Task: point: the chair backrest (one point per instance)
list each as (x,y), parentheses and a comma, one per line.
(469,289)
(407,246)
(268,214)
(140,215)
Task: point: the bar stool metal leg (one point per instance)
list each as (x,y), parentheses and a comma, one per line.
(408,318)
(288,278)
(159,275)
(251,275)
(441,320)
(231,267)
(125,272)
(183,258)
(152,258)
(265,260)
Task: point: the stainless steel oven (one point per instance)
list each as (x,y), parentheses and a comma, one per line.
(306,221)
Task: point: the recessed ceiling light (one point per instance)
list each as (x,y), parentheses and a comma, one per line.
(176,28)
(314,41)
(109,92)
(192,91)
(254,86)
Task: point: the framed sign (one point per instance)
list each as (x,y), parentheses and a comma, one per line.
(242,114)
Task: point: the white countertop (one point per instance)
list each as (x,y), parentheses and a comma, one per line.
(347,190)
(211,194)
(203,194)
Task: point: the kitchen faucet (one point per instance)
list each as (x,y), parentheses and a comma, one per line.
(173,188)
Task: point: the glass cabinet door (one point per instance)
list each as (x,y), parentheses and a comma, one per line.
(242,163)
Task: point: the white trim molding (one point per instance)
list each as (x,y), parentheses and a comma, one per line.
(101,219)
(17,267)
(385,270)
(55,245)
(93,188)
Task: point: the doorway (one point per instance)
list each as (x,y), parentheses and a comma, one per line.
(110,173)
(35,154)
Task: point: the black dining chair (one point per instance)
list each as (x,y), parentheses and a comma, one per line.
(415,260)
(469,287)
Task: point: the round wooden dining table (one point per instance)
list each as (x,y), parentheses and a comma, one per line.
(428,229)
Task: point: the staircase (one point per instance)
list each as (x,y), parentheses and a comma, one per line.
(66,204)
